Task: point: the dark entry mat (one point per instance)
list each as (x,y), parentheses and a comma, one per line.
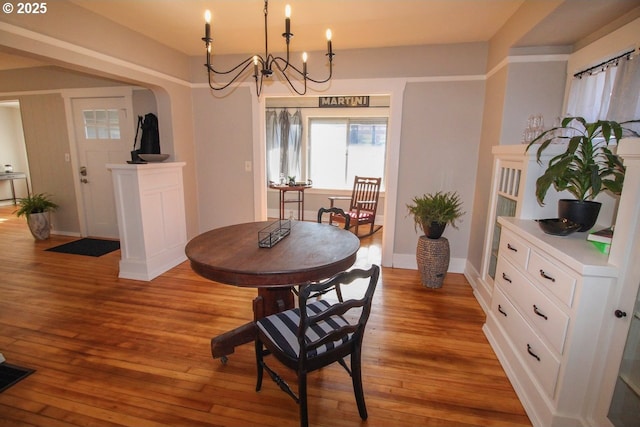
(11,374)
(87,246)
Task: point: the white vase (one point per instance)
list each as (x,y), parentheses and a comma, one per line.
(39,225)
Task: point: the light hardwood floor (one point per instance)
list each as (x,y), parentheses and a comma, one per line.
(115,352)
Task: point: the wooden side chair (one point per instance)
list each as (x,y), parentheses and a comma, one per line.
(363,204)
(318,335)
(346,219)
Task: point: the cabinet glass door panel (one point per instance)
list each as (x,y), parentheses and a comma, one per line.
(625,404)
(504,207)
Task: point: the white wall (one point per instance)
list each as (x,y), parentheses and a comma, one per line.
(439,151)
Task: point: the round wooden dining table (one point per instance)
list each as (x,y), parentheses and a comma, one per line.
(231,255)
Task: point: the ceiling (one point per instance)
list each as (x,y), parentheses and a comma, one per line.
(238,25)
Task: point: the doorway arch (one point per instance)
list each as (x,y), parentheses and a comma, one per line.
(173,95)
(394,88)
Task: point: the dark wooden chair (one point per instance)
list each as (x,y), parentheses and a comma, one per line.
(363,204)
(346,219)
(317,336)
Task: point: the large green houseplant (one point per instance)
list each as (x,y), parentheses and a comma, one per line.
(587,166)
(36,208)
(432,212)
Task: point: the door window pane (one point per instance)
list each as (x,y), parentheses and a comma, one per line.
(101,124)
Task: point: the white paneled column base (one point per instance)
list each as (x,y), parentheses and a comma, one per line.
(151,217)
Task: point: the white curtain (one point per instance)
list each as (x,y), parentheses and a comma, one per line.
(625,96)
(612,93)
(589,95)
(273,146)
(284,144)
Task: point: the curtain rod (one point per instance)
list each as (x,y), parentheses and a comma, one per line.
(605,63)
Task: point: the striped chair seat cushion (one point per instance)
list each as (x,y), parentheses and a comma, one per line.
(282,329)
(363,215)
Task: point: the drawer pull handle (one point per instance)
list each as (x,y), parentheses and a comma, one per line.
(546,276)
(532,353)
(539,313)
(501,310)
(505,277)
(511,247)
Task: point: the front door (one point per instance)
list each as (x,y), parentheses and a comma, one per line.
(104,134)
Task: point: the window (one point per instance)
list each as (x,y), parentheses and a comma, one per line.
(101,124)
(328,146)
(341,148)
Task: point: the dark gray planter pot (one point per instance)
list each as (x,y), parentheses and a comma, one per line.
(583,212)
(434,230)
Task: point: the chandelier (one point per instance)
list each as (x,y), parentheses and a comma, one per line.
(265,66)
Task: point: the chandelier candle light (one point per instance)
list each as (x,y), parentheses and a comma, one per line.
(264,66)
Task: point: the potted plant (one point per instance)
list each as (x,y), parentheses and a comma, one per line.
(587,166)
(36,207)
(432,213)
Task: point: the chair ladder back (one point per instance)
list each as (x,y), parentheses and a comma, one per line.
(365,190)
(308,322)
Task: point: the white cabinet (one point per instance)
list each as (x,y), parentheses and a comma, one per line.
(554,304)
(512,194)
(546,310)
(151,217)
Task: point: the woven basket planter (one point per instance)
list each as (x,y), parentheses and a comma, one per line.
(433,260)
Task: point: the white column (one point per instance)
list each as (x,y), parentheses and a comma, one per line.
(151,217)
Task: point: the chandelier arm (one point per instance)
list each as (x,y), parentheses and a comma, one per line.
(306,77)
(232,80)
(286,61)
(258,87)
(330,55)
(243,63)
(282,71)
(268,62)
(325,80)
(277,59)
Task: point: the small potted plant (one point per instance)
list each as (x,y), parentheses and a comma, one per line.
(587,166)
(432,212)
(36,207)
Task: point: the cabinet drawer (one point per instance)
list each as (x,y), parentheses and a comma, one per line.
(537,308)
(514,249)
(528,348)
(552,277)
